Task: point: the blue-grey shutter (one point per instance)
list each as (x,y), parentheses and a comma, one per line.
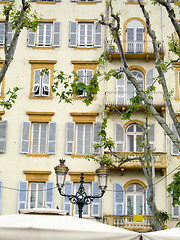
(96,137)
(119,138)
(148,210)
(174,149)
(37,82)
(70,128)
(118,199)
(149,81)
(97,34)
(130,40)
(56,33)
(73,34)
(175,210)
(95,205)
(49,194)
(22,195)
(120,90)
(31,38)
(45,83)
(3,134)
(68,189)
(140,40)
(25,137)
(52,138)
(152,136)
(9,34)
(0,195)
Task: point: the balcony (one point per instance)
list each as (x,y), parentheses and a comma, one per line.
(159,159)
(134,50)
(127,222)
(122,100)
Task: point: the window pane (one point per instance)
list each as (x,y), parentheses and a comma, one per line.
(82,34)
(130,205)
(139,205)
(33,195)
(87,139)
(89,34)
(130,143)
(41,34)
(80,139)
(48,34)
(40,195)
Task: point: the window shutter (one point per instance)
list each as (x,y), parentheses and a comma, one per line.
(87,139)
(148,210)
(36,83)
(140,40)
(89,75)
(49,194)
(31,38)
(3,134)
(97,34)
(0,195)
(45,82)
(96,137)
(68,189)
(149,81)
(56,33)
(119,138)
(174,149)
(118,199)
(70,127)
(81,73)
(130,40)
(52,138)
(9,34)
(95,205)
(72,34)
(175,210)
(22,195)
(120,90)
(152,136)
(25,137)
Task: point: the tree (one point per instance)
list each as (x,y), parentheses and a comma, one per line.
(15,20)
(142,98)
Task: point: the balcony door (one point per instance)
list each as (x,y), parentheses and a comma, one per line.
(133,133)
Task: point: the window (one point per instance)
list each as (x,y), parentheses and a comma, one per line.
(85,76)
(86,138)
(3,136)
(175,210)
(47,35)
(85,34)
(38,137)
(135,37)
(36,195)
(2,34)
(133,134)
(41,84)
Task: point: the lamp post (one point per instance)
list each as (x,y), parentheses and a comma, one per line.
(80,198)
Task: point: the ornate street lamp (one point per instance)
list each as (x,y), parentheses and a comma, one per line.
(80,198)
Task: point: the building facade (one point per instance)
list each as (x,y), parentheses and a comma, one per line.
(38,131)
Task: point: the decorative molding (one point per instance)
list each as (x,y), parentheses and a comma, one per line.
(135,181)
(40,116)
(86,20)
(42,61)
(37,175)
(82,117)
(88,176)
(1,114)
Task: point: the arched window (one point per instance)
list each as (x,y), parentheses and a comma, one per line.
(135,199)
(133,132)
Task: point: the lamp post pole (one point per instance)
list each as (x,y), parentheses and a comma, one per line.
(80,198)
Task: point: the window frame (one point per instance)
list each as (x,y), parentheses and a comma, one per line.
(37,184)
(84,137)
(135,134)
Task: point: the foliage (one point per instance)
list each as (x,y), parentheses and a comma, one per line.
(12,96)
(174,188)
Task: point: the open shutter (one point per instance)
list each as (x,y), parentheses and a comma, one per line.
(52,138)
(152,136)
(68,189)
(130,40)
(45,83)
(120,90)
(96,137)
(72,34)
(70,128)
(174,149)
(3,133)
(140,40)
(56,33)
(31,38)
(22,195)
(36,83)
(49,194)
(81,74)
(9,35)
(149,81)
(119,138)
(0,195)
(97,34)
(118,199)
(95,205)
(25,137)
(175,210)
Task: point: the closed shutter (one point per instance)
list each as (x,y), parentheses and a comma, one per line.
(140,40)
(49,194)
(36,84)
(70,128)
(9,34)
(120,90)
(56,33)
(31,38)
(149,81)
(0,195)
(72,34)
(3,134)
(22,195)
(46,83)
(68,189)
(52,138)
(118,199)
(97,34)
(130,40)
(96,137)
(119,138)
(152,136)
(95,205)
(174,149)
(25,137)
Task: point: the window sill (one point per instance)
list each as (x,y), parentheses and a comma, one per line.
(46,2)
(79,155)
(40,98)
(133,3)
(37,155)
(85,48)
(86,3)
(43,48)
